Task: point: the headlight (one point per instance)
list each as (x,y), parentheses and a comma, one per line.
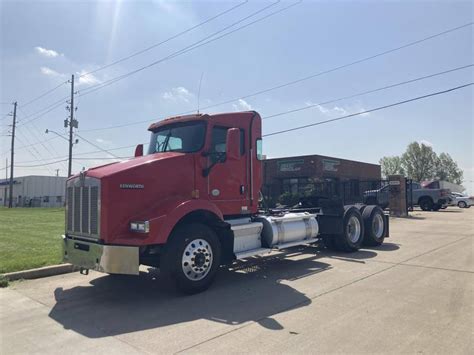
(141,227)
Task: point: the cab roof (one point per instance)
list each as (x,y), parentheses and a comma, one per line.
(231,116)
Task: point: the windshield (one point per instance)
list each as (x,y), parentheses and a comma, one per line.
(185,137)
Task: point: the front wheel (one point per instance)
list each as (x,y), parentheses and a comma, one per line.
(192,257)
(462,204)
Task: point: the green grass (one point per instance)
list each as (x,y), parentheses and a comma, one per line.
(30,238)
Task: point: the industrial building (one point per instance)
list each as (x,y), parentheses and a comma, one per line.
(34,191)
(298,174)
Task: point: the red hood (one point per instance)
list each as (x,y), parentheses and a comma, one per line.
(113,168)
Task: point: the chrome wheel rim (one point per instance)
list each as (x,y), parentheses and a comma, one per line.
(353,229)
(377,226)
(197,259)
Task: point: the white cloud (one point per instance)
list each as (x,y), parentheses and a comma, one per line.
(242,105)
(340,110)
(323,110)
(178,94)
(168,6)
(50,72)
(89,79)
(82,80)
(47,52)
(427,143)
(102,141)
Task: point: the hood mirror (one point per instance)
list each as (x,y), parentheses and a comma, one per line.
(139,151)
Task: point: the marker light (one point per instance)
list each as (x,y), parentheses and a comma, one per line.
(140,227)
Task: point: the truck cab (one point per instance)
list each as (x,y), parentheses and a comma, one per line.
(190,204)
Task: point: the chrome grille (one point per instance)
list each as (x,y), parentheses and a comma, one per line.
(83,207)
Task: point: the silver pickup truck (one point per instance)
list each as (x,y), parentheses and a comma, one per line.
(427,199)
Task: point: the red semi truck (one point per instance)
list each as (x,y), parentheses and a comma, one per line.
(192,204)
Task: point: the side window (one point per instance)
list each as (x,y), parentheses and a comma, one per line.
(259,149)
(219,138)
(218,141)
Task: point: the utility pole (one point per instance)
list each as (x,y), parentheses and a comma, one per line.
(57,172)
(72,123)
(10,203)
(5,196)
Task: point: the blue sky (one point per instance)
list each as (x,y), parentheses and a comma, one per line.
(44,42)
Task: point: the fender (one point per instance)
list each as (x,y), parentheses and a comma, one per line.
(161,227)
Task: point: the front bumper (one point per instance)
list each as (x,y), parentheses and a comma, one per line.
(111,259)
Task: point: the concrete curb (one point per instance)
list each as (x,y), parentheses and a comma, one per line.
(40,272)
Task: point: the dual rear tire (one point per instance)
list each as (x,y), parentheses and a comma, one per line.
(368,227)
(375,226)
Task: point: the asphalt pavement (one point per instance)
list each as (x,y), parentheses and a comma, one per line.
(414,294)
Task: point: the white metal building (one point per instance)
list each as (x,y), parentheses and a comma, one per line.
(34,191)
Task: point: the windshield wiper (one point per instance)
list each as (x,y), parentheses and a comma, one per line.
(164,144)
(166,141)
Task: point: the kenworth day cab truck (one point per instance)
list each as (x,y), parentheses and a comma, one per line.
(192,204)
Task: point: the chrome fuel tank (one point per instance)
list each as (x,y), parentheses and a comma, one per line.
(291,227)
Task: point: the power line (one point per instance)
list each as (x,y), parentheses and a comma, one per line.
(288,111)
(95,145)
(305,107)
(306,77)
(166,40)
(34,132)
(39,165)
(80,155)
(44,94)
(368,91)
(180,52)
(35,153)
(31,144)
(193,46)
(48,109)
(139,52)
(295,128)
(132,55)
(368,111)
(102,158)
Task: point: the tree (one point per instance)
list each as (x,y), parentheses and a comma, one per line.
(419,161)
(391,166)
(447,169)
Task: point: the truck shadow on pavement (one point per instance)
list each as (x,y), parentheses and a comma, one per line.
(253,290)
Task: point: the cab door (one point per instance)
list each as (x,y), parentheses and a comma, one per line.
(227,180)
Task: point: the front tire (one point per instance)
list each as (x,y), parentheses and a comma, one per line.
(193,257)
(462,204)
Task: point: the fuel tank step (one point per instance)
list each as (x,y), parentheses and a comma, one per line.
(253,252)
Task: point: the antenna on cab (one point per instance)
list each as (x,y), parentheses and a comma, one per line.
(199,91)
